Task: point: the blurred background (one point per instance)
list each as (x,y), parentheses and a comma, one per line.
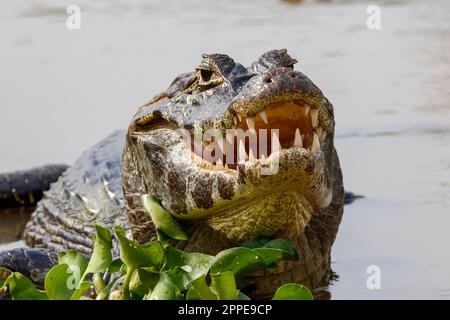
(63,90)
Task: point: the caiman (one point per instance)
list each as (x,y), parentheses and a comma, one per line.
(221,201)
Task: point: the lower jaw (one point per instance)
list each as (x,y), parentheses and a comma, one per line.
(282,215)
(266,166)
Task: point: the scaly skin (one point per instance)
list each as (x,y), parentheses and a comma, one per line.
(25,187)
(219,207)
(88,193)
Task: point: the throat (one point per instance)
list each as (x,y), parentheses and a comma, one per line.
(282,215)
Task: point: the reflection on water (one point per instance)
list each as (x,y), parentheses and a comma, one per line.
(61,91)
(12,223)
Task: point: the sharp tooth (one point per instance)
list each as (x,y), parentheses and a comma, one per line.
(250,123)
(298,139)
(239,116)
(319,131)
(242,153)
(315,144)
(275,143)
(263,116)
(263,157)
(251,157)
(323,135)
(314,117)
(307,107)
(235,119)
(272,158)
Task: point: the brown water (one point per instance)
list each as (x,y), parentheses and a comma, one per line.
(12,223)
(61,91)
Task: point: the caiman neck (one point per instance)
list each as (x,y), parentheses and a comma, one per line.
(280,215)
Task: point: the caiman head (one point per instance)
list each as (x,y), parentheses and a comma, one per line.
(246,152)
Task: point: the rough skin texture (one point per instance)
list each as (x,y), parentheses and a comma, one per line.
(29,262)
(219,208)
(24,188)
(88,193)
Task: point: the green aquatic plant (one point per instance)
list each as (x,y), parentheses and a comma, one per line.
(156,270)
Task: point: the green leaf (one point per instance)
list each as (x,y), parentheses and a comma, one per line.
(256,243)
(104,294)
(251,258)
(272,256)
(281,244)
(21,288)
(293,291)
(64,282)
(274,250)
(239,260)
(101,256)
(98,282)
(68,280)
(61,282)
(137,256)
(162,219)
(83,287)
(241,296)
(183,267)
(142,281)
(192,294)
(200,289)
(116,266)
(75,260)
(165,289)
(225,285)
(161,236)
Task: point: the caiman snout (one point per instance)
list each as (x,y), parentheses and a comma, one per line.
(278,109)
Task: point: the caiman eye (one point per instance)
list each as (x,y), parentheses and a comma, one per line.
(208,78)
(206,75)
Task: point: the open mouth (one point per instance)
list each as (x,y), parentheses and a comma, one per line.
(281,125)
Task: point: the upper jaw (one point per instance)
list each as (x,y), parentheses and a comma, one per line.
(287,121)
(285,100)
(275,85)
(302,123)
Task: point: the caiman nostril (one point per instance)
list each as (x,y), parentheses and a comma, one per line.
(269,80)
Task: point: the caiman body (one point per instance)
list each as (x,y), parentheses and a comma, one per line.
(221,200)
